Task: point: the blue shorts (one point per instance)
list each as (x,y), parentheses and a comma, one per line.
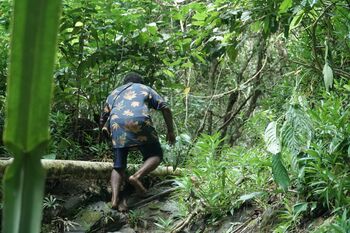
(120,155)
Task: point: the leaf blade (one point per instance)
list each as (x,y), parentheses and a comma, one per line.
(272,142)
(33,45)
(279,172)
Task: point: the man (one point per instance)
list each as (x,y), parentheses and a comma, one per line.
(127,118)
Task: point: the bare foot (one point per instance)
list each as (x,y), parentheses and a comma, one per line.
(140,189)
(123,206)
(114,204)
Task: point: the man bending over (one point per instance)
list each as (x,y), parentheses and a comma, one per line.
(126,117)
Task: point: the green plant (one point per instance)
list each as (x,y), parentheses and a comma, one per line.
(33,45)
(177,154)
(290,216)
(164,225)
(64,224)
(338,224)
(215,175)
(135,217)
(102,150)
(51,202)
(107,218)
(274,147)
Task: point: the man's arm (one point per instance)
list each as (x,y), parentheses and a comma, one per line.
(168,118)
(104,115)
(104,128)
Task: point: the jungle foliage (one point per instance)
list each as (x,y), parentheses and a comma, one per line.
(259,91)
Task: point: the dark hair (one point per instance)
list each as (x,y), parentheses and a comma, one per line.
(133,77)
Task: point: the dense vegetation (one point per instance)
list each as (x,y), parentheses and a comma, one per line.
(259,90)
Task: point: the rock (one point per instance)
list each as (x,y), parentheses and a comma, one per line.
(72,203)
(96,216)
(125,229)
(170,207)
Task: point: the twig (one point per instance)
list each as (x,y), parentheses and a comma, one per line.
(202,125)
(235,113)
(185,222)
(243,225)
(314,41)
(337,71)
(235,89)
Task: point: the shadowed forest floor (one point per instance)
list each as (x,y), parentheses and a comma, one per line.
(83,206)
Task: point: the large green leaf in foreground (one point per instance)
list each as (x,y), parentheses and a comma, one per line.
(33,46)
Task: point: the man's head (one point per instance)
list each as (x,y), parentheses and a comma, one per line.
(133,77)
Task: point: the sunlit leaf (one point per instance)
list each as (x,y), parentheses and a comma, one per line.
(285,5)
(169,73)
(187,90)
(327,76)
(200,16)
(250,196)
(271,139)
(296,20)
(78,24)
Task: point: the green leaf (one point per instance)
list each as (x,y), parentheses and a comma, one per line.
(256,26)
(347,87)
(279,172)
(335,143)
(200,16)
(199,57)
(296,20)
(271,140)
(168,73)
(152,28)
(327,76)
(232,53)
(33,46)
(29,90)
(78,24)
(23,195)
(297,130)
(285,5)
(300,207)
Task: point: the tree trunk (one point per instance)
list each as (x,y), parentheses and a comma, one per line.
(86,170)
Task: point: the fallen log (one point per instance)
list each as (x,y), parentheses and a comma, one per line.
(87,169)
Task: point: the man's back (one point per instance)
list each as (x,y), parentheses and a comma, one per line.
(134,100)
(130,120)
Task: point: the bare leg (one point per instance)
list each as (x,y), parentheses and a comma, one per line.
(116,182)
(149,165)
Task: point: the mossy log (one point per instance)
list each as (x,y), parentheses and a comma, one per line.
(87,169)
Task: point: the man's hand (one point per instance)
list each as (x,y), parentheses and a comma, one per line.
(105,133)
(168,118)
(170,137)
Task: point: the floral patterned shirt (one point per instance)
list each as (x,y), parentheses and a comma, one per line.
(129,118)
